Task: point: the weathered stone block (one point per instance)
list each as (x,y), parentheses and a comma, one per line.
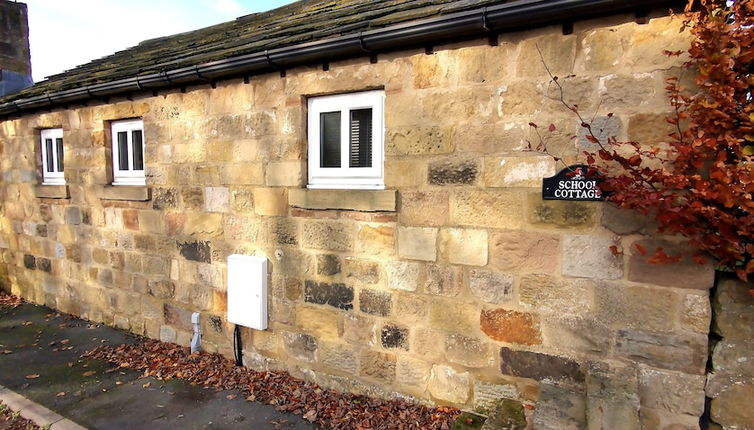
(687,353)
(375,302)
(734,319)
(675,392)
(624,221)
(637,307)
(417,141)
(204,224)
(524,251)
(467,351)
(364,271)
(411,307)
(511,326)
(539,366)
(424,208)
(178,317)
(464,246)
(392,336)
(417,243)
(341,358)
(560,408)
(579,335)
(556,51)
(491,287)
(442,280)
(404,173)
(412,373)
(497,209)
(168,334)
(328,235)
(358,330)
(732,408)
(557,213)
(696,312)
(285,174)
(73,215)
(404,275)
(453,316)
(328,264)
(488,395)
(602,128)
(518,171)
(300,346)
(322,293)
(546,293)
(377,365)
(375,240)
(590,257)
(271,201)
(216,199)
(195,251)
(445,383)
(320,322)
(685,274)
(447,172)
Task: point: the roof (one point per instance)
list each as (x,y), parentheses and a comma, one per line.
(300,32)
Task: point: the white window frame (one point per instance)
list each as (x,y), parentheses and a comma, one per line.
(346,177)
(56,176)
(128,176)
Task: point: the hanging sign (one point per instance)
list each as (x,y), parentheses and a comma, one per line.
(572,183)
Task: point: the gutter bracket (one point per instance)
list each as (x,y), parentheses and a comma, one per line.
(273,64)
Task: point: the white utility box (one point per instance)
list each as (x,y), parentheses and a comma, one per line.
(247,291)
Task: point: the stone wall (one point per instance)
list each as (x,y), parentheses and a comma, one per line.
(470,291)
(730,383)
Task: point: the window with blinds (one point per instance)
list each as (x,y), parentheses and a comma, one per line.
(52,156)
(346,141)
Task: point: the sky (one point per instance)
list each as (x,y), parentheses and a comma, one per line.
(67,33)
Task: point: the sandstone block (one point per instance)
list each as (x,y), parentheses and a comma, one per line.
(364,271)
(524,251)
(623,221)
(696,313)
(560,408)
(506,414)
(216,199)
(650,128)
(734,317)
(488,395)
(687,353)
(204,224)
(300,346)
(375,302)
(271,201)
(453,316)
(602,128)
(167,334)
(328,264)
(445,383)
(633,91)
(404,275)
(392,336)
(375,240)
(511,326)
(578,335)
(417,243)
(358,330)
(498,137)
(556,51)
(341,358)
(320,322)
(517,171)
(557,213)
(685,274)
(442,280)
(675,392)
(411,307)
(404,173)
(378,365)
(539,366)
(424,208)
(336,295)
(491,287)
(637,307)
(497,209)
(418,141)
(453,172)
(467,351)
(464,246)
(285,174)
(732,408)
(412,373)
(328,235)
(571,297)
(590,257)
(196,251)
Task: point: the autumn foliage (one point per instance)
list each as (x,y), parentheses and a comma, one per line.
(700,183)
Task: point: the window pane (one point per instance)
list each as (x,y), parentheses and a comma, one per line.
(122,150)
(360,142)
(329,138)
(59,144)
(138,150)
(48,153)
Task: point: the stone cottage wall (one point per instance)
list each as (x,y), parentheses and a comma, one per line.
(472,290)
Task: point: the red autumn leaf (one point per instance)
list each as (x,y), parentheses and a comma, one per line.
(642,250)
(551,128)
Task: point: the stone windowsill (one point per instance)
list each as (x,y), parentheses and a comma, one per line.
(52,192)
(354,200)
(124,192)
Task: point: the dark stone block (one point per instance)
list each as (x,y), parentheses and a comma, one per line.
(162,289)
(453,173)
(394,337)
(193,198)
(195,251)
(42,230)
(164,198)
(73,215)
(216,323)
(328,264)
(30,262)
(177,317)
(538,366)
(44,264)
(375,302)
(336,295)
(284,232)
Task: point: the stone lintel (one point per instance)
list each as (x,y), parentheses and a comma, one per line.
(355,200)
(124,192)
(52,191)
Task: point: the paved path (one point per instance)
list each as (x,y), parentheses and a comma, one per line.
(36,341)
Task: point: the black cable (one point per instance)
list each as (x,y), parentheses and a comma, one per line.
(237,346)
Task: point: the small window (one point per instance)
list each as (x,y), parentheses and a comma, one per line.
(128,152)
(52,156)
(346,141)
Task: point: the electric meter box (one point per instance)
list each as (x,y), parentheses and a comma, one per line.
(247,291)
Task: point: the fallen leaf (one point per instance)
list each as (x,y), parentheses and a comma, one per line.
(231,396)
(34,376)
(89,373)
(60,394)
(146,385)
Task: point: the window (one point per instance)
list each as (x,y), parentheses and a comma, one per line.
(346,141)
(52,156)
(128,152)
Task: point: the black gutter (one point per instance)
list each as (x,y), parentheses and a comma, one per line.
(482,21)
